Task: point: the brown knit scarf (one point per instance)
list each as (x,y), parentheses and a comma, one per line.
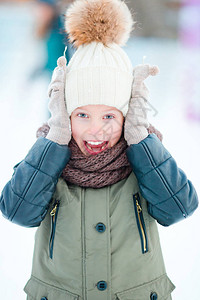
(95,171)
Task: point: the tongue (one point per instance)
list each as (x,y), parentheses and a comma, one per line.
(96,149)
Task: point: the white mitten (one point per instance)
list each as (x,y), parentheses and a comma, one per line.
(136,122)
(59,123)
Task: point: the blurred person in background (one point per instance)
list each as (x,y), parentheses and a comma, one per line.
(178,20)
(189,36)
(49,26)
(190,23)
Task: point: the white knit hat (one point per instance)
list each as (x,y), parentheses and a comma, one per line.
(99,72)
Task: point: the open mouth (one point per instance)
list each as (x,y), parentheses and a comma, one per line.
(95,147)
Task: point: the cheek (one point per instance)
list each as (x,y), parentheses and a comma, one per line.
(77,129)
(77,133)
(115,133)
(114,139)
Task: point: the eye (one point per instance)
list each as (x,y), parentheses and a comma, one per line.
(82,115)
(109,117)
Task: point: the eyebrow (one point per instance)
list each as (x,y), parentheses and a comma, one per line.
(108,111)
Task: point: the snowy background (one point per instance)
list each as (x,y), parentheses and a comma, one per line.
(175,96)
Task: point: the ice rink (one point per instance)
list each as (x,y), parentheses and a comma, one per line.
(175,100)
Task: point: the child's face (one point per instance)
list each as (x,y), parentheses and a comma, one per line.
(96,127)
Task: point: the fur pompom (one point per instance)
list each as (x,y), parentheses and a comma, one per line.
(105,21)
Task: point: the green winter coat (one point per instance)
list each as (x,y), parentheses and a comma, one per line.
(98,244)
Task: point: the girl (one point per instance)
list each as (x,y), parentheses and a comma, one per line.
(98,179)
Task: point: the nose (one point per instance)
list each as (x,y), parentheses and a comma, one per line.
(96,129)
(100,131)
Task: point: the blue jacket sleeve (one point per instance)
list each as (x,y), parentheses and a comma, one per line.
(25,198)
(170,195)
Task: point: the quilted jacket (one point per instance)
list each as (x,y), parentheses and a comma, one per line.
(98,244)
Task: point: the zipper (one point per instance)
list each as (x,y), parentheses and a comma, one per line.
(83,238)
(140,222)
(53,214)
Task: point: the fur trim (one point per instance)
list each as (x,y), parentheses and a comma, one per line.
(106,21)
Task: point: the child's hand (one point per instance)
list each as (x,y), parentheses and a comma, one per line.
(136,122)
(60,130)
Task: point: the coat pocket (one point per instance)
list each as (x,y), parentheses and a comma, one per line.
(38,290)
(54,215)
(140,222)
(158,289)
